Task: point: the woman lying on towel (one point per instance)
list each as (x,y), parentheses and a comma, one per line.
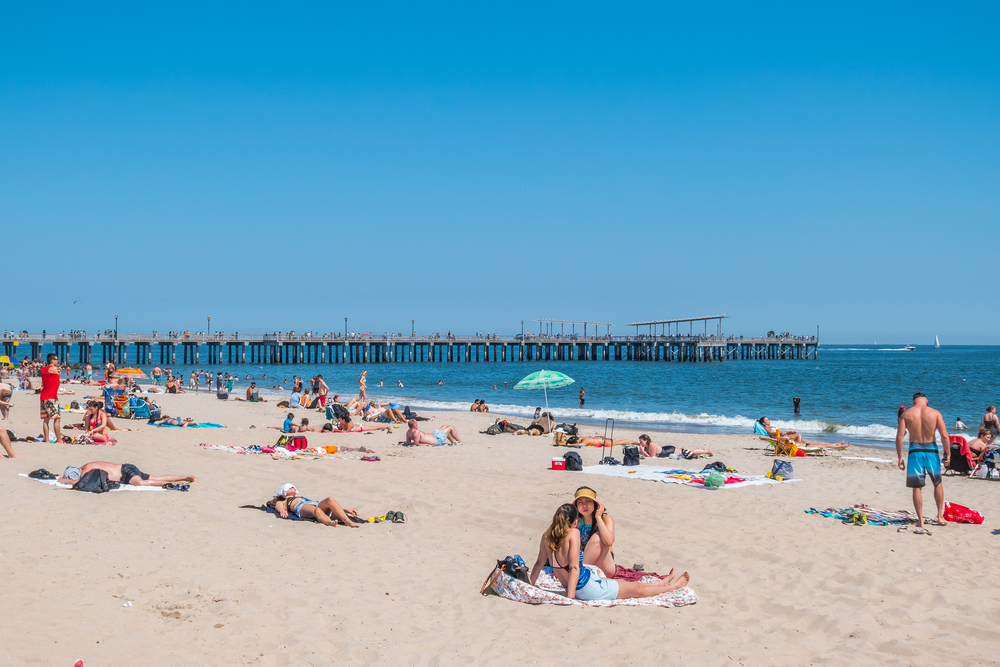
(765,424)
(650,449)
(560,548)
(167,420)
(598,441)
(327,511)
(348,426)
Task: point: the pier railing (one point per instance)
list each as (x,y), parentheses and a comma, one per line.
(222,337)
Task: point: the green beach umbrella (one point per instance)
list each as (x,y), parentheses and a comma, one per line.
(545,380)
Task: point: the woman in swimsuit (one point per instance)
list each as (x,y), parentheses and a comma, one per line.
(797,437)
(650,449)
(363,385)
(95,421)
(981,443)
(327,511)
(991,421)
(597,530)
(173,421)
(560,548)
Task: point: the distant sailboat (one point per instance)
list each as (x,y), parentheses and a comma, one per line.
(937,342)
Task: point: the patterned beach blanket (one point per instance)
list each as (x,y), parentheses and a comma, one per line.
(548,590)
(679,476)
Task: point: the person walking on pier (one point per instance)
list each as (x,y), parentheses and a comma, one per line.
(921,422)
(50,398)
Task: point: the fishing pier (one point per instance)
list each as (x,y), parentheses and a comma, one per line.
(261,349)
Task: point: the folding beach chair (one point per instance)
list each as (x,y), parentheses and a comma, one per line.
(784,446)
(139,408)
(962,461)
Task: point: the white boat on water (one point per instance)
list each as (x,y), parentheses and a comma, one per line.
(910,347)
(937,342)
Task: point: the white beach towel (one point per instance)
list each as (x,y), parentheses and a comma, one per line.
(123,487)
(677,476)
(865,458)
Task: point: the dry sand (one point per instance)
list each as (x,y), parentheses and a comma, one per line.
(212,583)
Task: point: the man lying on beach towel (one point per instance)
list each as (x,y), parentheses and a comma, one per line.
(442,436)
(124,473)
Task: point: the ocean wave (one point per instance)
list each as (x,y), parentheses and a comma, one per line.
(735,424)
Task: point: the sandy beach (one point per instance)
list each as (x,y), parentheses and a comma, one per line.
(212,582)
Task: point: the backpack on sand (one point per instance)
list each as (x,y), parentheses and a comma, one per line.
(574,462)
(630,455)
(95,481)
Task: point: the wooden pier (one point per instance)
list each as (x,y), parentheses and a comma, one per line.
(202,349)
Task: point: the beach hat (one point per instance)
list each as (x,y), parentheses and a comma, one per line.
(584,492)
(72,472)
(284,489)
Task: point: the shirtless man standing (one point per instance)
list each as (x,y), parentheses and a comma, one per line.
(921,421)
(125,473)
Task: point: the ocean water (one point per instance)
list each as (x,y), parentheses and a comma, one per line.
(851,392)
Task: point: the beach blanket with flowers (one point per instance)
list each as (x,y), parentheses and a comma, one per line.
(548,590)
(282,454)
(680,476)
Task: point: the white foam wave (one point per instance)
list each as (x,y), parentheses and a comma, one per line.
(736,424)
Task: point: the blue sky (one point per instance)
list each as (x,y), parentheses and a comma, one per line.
(469,167)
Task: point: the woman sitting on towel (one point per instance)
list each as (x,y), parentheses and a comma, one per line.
(327,511)
(650,449)
(560,548)
(795,437)
(95,422)
(597,530)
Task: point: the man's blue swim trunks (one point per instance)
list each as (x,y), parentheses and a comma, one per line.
(923,460)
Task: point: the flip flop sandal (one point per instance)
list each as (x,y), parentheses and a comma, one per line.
(176,487)
(922,531)
(399,517)
(390,516)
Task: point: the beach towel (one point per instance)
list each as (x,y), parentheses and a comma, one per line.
(680,476)
(123,487)
(281,454)
(198,425)
(759,429)
(548,590)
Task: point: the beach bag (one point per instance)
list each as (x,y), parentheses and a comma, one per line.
(514,566)
(222,396)
(567,429)
(95,481)
(961,514)
(573,461)
(75,405)
(610,461)
(296,443)
(781,470)
(717,466)
(282,404)
(339,411)
(630,455)
(493,429)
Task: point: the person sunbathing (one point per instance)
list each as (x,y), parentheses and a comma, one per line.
(509,427)
(796,437)
(597,530)
(348,426)
(650,449)
(598,441)
(539,426)
(167,420)
(560,548)
(441,436)
(125,473)
(383,413)
(327,511)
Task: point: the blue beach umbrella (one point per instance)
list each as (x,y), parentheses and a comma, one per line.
(545,380)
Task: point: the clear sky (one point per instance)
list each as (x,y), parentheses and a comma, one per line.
(471,165)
